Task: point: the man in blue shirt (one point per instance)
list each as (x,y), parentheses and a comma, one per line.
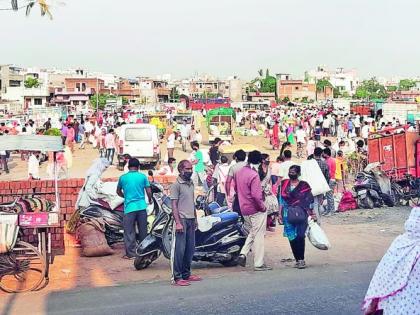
(132,187)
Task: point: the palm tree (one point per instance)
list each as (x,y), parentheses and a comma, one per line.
(28,5)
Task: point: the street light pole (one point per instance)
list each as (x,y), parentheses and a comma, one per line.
(97,93)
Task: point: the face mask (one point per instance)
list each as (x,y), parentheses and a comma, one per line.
(293,176)
(187,176)
(267,162)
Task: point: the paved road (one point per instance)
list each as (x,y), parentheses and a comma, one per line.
(324,290)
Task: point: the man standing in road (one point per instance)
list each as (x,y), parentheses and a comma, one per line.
(214,151)
(331,168)
(199,167)
(185,224)
(184,131)
(239,158)
(250,196)
(47,124)
(326,172)
(132,187)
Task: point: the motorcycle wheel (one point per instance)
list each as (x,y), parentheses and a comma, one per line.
(143,262)
(367,203)
(232,262)
(396,194)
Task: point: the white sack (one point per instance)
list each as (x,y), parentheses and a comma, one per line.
(312,174)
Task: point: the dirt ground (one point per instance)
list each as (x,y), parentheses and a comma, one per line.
(355,236)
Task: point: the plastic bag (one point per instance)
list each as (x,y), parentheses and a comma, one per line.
(8,236)
(312,174)
(317,236)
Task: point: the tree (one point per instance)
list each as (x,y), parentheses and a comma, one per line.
(28,5)
(286,99)
(174,94)
(101,100)
(369,89)
(406,84)
(391,88)
(31,82)
(322,84)
(124,100)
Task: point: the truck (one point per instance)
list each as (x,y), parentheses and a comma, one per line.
(397,150)
(398,110)
(220,123)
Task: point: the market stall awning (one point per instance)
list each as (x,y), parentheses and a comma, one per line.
(31,143)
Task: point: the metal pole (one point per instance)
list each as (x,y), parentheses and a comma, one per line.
(97,93)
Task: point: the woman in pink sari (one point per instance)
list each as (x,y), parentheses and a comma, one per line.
(275,141)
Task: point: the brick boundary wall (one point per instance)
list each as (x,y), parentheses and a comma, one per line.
(68,190)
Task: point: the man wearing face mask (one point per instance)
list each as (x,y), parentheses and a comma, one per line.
(185,223)
(250,196)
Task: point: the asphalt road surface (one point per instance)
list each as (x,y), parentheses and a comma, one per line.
(322,290)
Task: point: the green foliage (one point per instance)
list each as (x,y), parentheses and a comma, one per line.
(125,100)
(322,84)
(174,94)
(268,84)
(406,84)
(371,89)
(391,88)
(286,99)
(101,100)
(305,99)
(53,132)
(31,82)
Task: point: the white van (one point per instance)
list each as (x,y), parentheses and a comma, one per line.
(141,141)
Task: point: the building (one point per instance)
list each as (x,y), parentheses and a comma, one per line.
(37,96)
(153,91)
(74,100)
(346,81)
(300,90)
(294,90)
(260,97)
(11,83)
(84,84)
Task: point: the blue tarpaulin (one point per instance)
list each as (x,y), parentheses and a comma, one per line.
(31,143)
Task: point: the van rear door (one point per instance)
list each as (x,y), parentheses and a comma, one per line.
(138,141)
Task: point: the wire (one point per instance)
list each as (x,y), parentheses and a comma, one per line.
(18,8)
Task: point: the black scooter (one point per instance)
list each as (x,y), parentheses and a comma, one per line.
(371,193)
(221,244)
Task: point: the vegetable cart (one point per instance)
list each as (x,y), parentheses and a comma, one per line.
(24,267)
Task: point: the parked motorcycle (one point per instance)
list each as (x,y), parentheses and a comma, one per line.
(222,243)
(113,218)
(373,188)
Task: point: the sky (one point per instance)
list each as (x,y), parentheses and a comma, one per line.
(218,37)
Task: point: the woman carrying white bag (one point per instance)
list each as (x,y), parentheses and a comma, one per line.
(296,200)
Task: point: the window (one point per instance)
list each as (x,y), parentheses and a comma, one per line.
(83,87)
(296,88)
(75,103)
(78,87)
(37,101)
(138,134)
(14,83)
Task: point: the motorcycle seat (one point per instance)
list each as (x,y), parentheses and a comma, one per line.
(227,217)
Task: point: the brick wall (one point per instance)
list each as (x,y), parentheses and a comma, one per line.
(68,190)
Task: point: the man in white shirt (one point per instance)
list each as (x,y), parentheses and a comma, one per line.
(356,123)
(170,169)
(170,145)
(365,132)
(184,131)
(285,165)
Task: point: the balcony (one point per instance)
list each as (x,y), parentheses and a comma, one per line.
(39,91)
